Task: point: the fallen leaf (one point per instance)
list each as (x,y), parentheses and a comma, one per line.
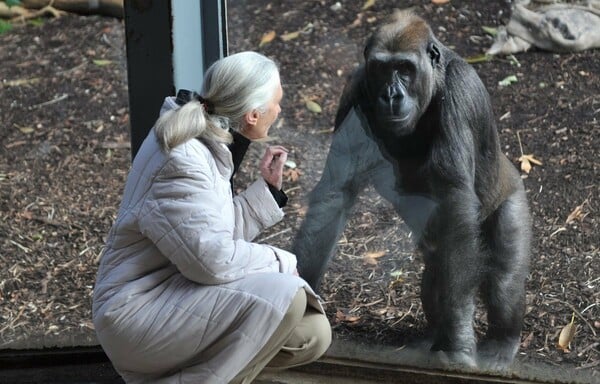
(526,161)
(479,58)
(576,214)
(376,255)
(102,62)
(19,82)
(313,107)
(342,316)
(527,341)
(490,30)
(267,38)
(358,21)
(397,282)
(15,144)
(381,311)
(290,36)
(292,175)
(525,164)
(115,145)
(308,28)
(534,160)
(368,4)
(440,2)
(371,257)
(27,215)
(26,129)
(508,80)
(397,273)
(567,334)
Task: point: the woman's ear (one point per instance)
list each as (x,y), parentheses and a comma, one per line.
(251,118)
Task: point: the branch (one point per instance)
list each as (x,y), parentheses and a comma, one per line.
(112,8)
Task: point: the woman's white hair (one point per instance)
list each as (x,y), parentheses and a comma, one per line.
(234,85)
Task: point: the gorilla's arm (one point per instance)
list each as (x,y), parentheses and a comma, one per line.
(351,158)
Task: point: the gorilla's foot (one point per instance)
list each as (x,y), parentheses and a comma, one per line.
(497,355)
(455,359)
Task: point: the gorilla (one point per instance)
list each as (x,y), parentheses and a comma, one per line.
(415,121)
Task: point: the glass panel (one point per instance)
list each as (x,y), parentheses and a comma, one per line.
(64,156)
(377,190)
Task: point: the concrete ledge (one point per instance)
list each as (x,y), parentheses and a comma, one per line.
(345,362)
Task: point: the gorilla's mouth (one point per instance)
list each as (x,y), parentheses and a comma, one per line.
(395,113)
(398,119)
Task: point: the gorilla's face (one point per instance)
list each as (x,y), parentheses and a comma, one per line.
(400,78)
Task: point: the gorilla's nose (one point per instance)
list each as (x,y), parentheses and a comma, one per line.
(394,93)
(393,97)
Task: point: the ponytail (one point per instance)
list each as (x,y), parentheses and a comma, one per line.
(233,86)
(190,121)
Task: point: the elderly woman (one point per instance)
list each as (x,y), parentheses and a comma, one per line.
(183,295)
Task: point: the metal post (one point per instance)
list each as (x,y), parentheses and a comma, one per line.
(214,25)
(169,45)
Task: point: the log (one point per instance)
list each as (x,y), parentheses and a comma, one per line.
(7,12)
(112,8)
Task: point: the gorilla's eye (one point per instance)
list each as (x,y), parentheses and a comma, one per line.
(434,53)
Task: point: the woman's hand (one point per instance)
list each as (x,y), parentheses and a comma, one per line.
(271,165)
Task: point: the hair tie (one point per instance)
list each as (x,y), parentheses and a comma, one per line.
(209,107)
(183,96)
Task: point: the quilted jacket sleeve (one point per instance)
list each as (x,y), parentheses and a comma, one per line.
(190,217)
(255,210)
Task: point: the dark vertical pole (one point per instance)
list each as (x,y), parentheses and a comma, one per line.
(149,63)
(214,30)
(150,67)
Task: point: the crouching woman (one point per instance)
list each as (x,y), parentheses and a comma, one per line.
(183,294)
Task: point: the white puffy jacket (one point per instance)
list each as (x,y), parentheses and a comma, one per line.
(182,293)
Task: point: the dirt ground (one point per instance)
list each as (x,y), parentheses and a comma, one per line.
(64,156)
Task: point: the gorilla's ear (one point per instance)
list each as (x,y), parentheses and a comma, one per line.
(434,53)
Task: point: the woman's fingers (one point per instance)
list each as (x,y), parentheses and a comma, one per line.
(272,163)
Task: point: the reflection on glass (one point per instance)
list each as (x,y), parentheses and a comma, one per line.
(356,224)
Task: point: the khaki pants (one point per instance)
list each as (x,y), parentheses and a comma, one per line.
(302,337)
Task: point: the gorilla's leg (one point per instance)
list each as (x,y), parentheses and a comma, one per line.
(449,312)
(430,299)
(453,265)
(507,236)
